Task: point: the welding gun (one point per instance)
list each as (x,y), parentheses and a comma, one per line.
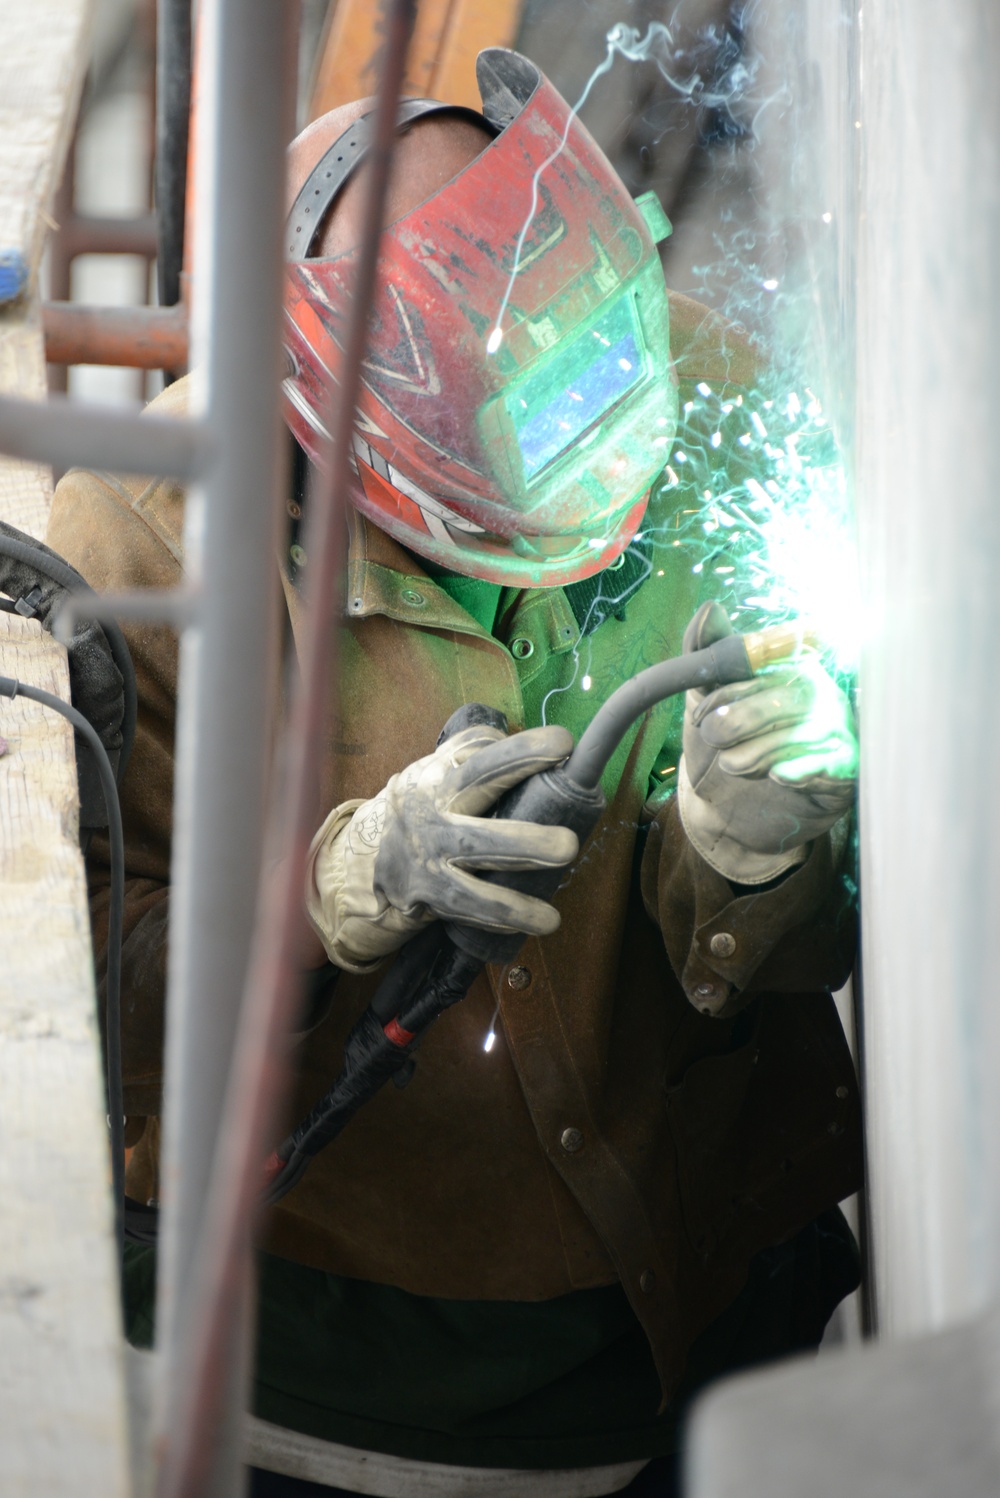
(436,968)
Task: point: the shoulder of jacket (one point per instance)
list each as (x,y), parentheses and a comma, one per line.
(127,526)
(704,345)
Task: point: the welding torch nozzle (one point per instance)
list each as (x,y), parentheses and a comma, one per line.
(779,642)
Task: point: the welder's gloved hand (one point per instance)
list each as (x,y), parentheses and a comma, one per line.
(379,870)
(768,764)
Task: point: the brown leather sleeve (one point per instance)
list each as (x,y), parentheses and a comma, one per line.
(144,980)
(124,533)
(726,945)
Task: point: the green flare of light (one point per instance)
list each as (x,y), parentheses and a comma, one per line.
(824,744)
(773,532)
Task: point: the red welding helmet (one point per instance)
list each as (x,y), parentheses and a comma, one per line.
(517,397)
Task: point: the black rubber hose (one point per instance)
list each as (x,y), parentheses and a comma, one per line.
(60,572)
(173,108)
(11,687)
(715,666)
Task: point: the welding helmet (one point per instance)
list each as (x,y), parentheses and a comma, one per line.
(517,398)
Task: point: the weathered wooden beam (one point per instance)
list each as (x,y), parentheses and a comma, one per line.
(62,1425)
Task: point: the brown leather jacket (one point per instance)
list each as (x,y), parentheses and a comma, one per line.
(613,1130)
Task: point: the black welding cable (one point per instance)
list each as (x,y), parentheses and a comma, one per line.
(67,577)
(11,687)
(725,661)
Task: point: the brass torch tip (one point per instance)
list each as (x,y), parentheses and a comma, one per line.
(779,642)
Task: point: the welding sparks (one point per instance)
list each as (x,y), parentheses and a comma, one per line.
(491,1034)
(779,540)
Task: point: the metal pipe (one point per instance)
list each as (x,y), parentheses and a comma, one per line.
(137,337)
(88,234)
(173,109)
(228,674)
(68,433)
(175,606)
(929,325)
(258,1075)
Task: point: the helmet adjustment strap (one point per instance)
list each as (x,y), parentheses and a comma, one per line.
(338,164)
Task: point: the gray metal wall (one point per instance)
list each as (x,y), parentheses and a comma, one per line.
(917,284)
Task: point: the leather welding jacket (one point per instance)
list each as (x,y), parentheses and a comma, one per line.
(613,1130)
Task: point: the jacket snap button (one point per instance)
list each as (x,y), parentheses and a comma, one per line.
(412,597)
(521,648)
(842,1092)
(571,1140)
(722,944)
(647,1281)
(519,977)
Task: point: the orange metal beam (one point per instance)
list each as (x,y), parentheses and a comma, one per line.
(441,64)
(428,34)
(472,25)
(348,66)
(137,337)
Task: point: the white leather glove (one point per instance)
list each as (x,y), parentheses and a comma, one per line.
(379,870)
(768,764)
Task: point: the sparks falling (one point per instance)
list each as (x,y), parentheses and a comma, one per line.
(773,535)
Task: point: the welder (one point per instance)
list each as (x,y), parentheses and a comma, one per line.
(614,1173)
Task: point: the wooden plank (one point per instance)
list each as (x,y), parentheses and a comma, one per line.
(62,1418)
(62,1393)
(40,80)
(25,488)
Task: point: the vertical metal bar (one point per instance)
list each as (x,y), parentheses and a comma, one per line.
(228,666)
(173,107)
(274,978)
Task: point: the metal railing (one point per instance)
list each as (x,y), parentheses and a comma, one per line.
(234,935)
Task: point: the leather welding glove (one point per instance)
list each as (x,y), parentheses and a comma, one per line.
(768,764)
(379,870)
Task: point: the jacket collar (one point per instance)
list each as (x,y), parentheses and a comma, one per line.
(384,578)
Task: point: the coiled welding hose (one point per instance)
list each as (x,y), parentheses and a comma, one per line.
(436,968)
(102,680)
(23,560)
